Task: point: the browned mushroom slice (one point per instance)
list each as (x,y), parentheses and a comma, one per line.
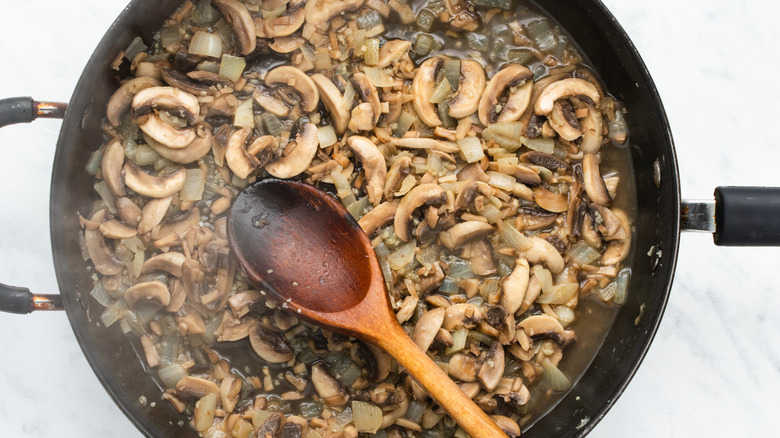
(593,182)
(470,87)
(196,387)
(547,161)
(463,367)
(183,82)
(506,424)
(236,156)
(463,232)
(169,262)
(284,25)
(319,13)
(419,195)
(512,76)
(426,143)
(515,285)
(128,211)
(147,292)
(272,104)
(492,368)
(120,101)
(564,122)
(333,101)
(102,257)
(300,81)
(462,15)
(427,327)
(422,91)
(155,127)
(173,100)
(111,167)
(160,186)
(367,93)
(591,131)
(116,230)
(270,346)
(178,225)
(553,202)
(237,15)
(327,387)
(462,315)
(481,257)
(229,392)
(564,89)
(188,154)
(374,166)
(380,215)
(618,248)
(153,213)
(543,251)
(391,51)
(543,327)
(299,159)
(532,219)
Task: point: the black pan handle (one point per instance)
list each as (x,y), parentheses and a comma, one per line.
(24,110)
(739,216)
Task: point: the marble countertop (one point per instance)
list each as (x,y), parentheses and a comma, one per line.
(714,368)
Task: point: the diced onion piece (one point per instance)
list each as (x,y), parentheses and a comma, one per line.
(404,122)
(618,128)
(514,238)
(501,180)
(105,194)
(545,280)
(170,35)
(401,257)
(554,378)
(101,295)
(349,95)
(366,416)
(94,162)
(441,92)
(113,313)
(145,155)
(232,67)
(371,57)
(565,315)
(193,185)
(380,77)
(206,44)
(136,46)
(358,208)
(559,294)
(245,117)
(449,286)
(458,340)
(327,136)
(205,408)
(275,13)
(471,148)
(415,411)
(460,269)
(621,286)
(343,189)
(171,374)
(583,253)
(510,130)
(546,145)
(491,213)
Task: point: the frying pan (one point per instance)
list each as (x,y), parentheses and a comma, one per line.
(663,206)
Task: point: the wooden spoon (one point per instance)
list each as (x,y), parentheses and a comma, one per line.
(301,245)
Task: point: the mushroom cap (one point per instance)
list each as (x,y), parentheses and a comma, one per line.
(237,15)
(116,230)
(543,327)
(196,387)
(334,102)
(160,186)
(368,93)
(563,89)
(171,99)
(510,76)
(373,164)
(419,195)
(318,13)
(515,285)
(147,292)
(111,167)
(471,85)
(236,156)
(422,90)
(327,387)
(492,368)
(297,161)
(120,101)
(591,126)
(563,121)
(463,367)
(300,81)
(427,326)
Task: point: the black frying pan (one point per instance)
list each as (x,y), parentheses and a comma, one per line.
(658,222)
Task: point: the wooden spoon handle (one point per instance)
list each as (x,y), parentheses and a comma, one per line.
(438,384)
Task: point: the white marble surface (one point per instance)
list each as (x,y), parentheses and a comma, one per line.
(714,368)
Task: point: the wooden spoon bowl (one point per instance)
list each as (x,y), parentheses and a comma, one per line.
(299,245)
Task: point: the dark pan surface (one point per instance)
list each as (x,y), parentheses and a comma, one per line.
(624,74)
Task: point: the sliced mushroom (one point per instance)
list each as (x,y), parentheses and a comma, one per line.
(236,156)
(427,327)
(481,257)
(593,182)
(471,85)
(169,262)
(173,100)
(333,101)
(462,15)
(515,285)
(543,251)
(297,161)
(196,387)
(553,202)
(319,13)
(189,322)
(391,51)
(327,387)
(564,122)
(380,215)
(532,219)
(463,232)
(300,81)
(128,211)
(563,89)
(382,363)
(281,26)
(469,192)
(591,131)
(500,319)
(543,327)
(188,154)
(519,80)
(367,92)
(147,292)
(426,143)
(506,424)
(272,104)
(102,258)
(178,225)
(373,164)
(398,171)
(229,392)
(111,167)
(419,195)
(153,213)
(159,186)
(120,101)
(422,90)
(492,368)
(239,18)
(547,161)
(270,346)
(287,44)
(462,315)
(116,230)
(463,367)
(618,249)
(179,80)
(156,128)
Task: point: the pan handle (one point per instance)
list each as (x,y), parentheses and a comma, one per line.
(739,216)
(25,110)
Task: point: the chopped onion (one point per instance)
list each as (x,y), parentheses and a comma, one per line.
(415,411)
(371,57)
(101,295)
(380,77)
(491,213)
(275,13)
(554,378)
(501,180)
(327,136)
(583,253)
(541,32)
(559,294)
(459,269)
(471,148)
(113,313)
(451,69)
(510,130)
(366,416)
(402,256)
(171,374)
(449,286)
(545,279)
(245,116)
(193,185)
(404,122)
(565,315)
(232,67)
(145,155)
(546,145)
(349,94)
(94,162)
(170,35)
(343,189)
(618,128)
(441,92)
(105,194)
(136,46)
(359,208)
(206,44)
(621,286)
(514,238)
(458,340)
